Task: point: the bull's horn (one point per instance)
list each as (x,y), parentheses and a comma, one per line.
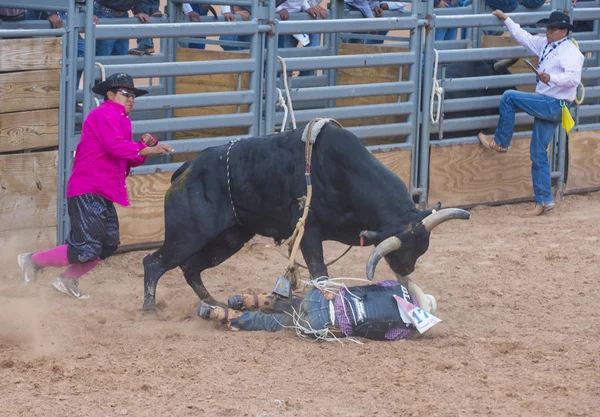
(389,245)
(443,215)
(504,64)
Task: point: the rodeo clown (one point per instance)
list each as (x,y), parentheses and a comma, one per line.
(387,310)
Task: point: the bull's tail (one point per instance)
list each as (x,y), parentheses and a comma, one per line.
(312,130)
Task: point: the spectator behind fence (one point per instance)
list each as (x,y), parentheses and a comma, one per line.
(103,159)
(114,9)
(291,41)
(229,13)
(448,34)
(146,45)
(194,12)
(371,9)
(559,71)
(11,14)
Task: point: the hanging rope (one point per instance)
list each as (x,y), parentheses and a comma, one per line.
(436,92)
(103,72)
(578,101)
(294,242)
(289,98)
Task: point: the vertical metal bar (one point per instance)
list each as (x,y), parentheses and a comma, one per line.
(414,75)
(562,162)
(254,77)
(271,77)
(66,123)
(337,12)
(478,5)
(427,88)
(89,57)
(172,10)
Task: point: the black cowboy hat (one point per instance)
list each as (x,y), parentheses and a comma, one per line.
(116,81)
(557,20)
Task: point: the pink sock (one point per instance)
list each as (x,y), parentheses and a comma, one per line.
(77,270)
(52,257)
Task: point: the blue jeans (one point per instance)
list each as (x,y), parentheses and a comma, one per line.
(109,47)
(201,12)
(238,38)
(288,41)
(446,34)
(315,310)
(148,7)
(547,115)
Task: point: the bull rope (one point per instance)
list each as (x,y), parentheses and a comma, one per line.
(281,101)
(309,137)
(436,92)
(103,72)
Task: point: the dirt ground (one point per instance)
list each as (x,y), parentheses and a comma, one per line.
(518,298)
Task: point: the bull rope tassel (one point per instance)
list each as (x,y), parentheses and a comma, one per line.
(288,96)
(309,137)
(103,72)
(578,101)
(436,92)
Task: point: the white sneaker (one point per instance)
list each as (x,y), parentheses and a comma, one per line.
(70,287)
(29,268)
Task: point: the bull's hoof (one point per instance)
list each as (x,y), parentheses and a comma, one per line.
(149,307)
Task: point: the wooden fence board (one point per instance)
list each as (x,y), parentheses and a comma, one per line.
(397,161)
(30,54)
(29,90)
(465,175)
(143,221)
(584,161)
(28,130)
(28,190)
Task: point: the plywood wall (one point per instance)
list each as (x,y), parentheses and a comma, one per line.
(584,161)
(29,100)
(466,175)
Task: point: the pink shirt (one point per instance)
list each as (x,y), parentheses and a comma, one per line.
(105,154)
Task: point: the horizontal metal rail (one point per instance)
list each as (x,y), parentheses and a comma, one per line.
(346,25)
(351,112)
(173,69)
(193,123)
(348,61)
(377,131)
(470,123)
(180,101)
(351,91)
(176,30)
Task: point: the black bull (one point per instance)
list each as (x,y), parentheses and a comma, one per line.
(264,179)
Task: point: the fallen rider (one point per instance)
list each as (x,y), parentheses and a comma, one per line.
(386,310)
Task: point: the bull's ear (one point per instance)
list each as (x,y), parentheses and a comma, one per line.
(369,237)
(427,212)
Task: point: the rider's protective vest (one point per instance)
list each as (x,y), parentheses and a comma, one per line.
(373,310)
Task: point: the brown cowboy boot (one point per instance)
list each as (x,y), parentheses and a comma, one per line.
(490,143)
(540,209)
(261,302)
(218,314)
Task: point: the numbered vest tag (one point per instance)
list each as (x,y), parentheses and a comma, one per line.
(421,319)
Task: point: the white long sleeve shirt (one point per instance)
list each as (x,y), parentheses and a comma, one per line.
(294,6)
(187,8)
(561,60)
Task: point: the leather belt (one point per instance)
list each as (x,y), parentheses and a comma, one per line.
(102,8)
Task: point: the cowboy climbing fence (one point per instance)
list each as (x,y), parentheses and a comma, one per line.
(382,91)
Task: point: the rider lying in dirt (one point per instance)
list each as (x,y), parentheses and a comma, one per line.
(386,310)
